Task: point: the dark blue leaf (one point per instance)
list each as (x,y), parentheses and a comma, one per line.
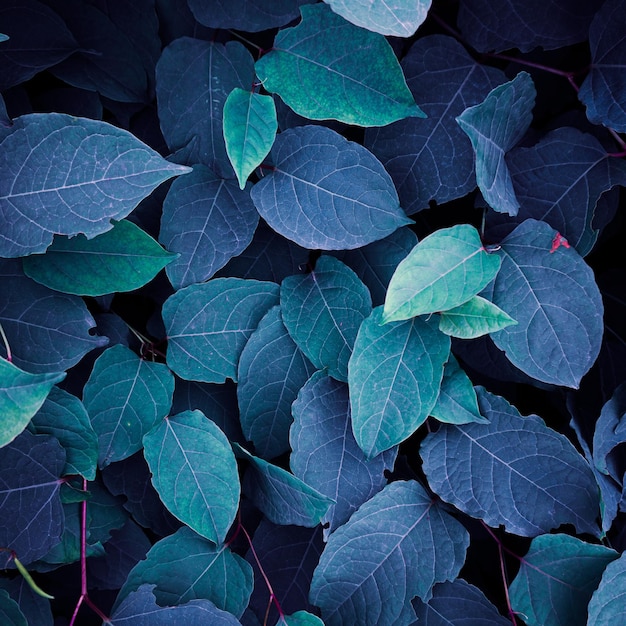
(610,432)
(10,612)
(606,606)
(327,192)
(35,608)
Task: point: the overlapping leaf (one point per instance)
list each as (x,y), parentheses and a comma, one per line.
(474,318)
(10,612)
(609,433)
(606,606)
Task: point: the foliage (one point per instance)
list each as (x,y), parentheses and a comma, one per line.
(312,312)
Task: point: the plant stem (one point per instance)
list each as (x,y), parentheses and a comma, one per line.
(6,345)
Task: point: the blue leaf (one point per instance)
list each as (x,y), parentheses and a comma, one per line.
(607,606)
(327,192)
(10,612)
(35,608)
(610,432)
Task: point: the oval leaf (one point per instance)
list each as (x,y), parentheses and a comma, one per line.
(607,606)
(474,318)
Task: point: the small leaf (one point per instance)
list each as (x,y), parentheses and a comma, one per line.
(326,52)
(474,318)
(122,259)
(494,127)
(443,271)
(606,606)
(609,433)
(208,325)
(249,130)
(401,536)
(302,618)
(195,473)
(327,192)
(394,377)
(10,612)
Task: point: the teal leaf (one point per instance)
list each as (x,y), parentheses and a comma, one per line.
(394,377)
(64,416)
(36,608)
(122,259)
(272,369)
(249,130)
(395,547)
(474,318)
(66,175)
(194,79)
(195,473)
(513,471)
(185,566)
(283,498)
(21,396)
(327,192)
(125,398)
(10,612)
(552,294)
(207,220)
(208,325)
(316,67)
(607,606)
(457,402)
(323,311)
(325,454)
(557,576)
(302,618)
(400,18)
(443,271)
(494,127)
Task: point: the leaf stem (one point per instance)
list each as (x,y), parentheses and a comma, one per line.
(236,34)
(6,345)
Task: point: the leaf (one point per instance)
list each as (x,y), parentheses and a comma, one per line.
(554,298)
(327,192)
(606,606)
(400,18)
(609,433)
(249,130)
(125,398)
(36,609)
(396,546)
(432,159)
(21,396)
(474,318)
(326,52)
(10,610)
(513,471)
(185,566)
(394,377)
(302,618)
(443,271)
(48,331)
(194,79)
(323,310)
(63,416)
(603,90)
(494,127)
(457,402)
(122,259)
(66,175)
(458,602)
(30,467)
(325,454)
(556,579)
(208,325)
(195,473)
(207,221)
(283,498)
(272,369)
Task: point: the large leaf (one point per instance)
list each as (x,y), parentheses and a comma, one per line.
(556,579)
(443,271)
(609,433)
(122,259)
(552,294)
(125,398)
(209,324)
(474,318)
(394,376)
(396,546)
(67,175)
(195,473)
(323,311)
(513,471)
(324,56)
(606,606)
(325,454)
(494,127)
(327,192)
(10,612)
(207,221)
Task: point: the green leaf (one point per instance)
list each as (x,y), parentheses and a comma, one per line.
(556,579)
(394,377)
(443,271)
(195,473)
(301,618)
(125,397)
(317,69)
(249,130)
(208,325)
(122,259)
(474,318)
(21,396)
(607,607)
